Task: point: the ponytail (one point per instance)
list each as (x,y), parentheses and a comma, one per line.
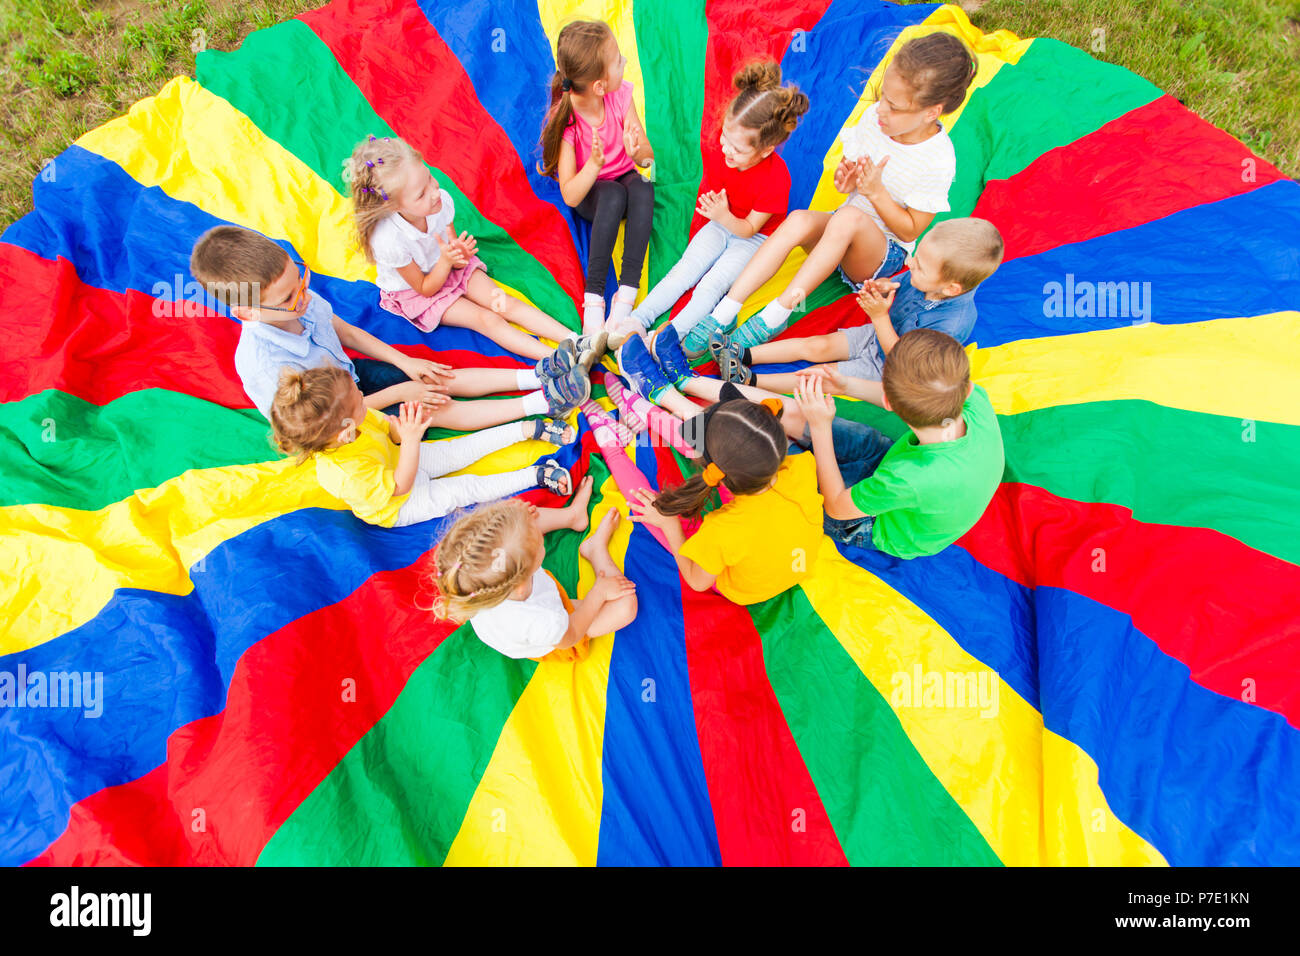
(579,62)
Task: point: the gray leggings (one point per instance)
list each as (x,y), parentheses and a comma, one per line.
(605,206)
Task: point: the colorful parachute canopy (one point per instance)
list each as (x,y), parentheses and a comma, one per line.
(1105,670)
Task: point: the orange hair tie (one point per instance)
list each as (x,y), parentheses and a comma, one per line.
(713,474)
(773,405)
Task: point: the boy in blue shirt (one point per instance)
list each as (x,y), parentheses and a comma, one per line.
(938,292)
(284,324)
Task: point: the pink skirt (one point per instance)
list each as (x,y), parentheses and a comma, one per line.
(425,311)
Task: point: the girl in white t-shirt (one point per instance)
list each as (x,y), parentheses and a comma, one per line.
(426,272)
(898,165)
(488,570)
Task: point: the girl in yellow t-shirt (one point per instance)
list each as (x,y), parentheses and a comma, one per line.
(764,540)
(378,465)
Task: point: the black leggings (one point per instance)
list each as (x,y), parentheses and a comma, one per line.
(604,207)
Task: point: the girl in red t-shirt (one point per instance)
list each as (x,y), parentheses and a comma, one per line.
(743,197)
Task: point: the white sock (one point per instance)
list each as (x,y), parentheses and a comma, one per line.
(623,299)
(774,313)
(535,403)
(527,378)
(593,312)
(571,336)
(725,312)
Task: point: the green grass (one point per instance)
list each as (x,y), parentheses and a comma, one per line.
(1233,62)
(71,65)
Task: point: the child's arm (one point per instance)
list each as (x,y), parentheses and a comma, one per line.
(635,141)
(863,389)
(576,183)
(434,374)
(715,207)
(877,306)
(456,253)
(903,222)
(410,425)
(819,410)
(644,512)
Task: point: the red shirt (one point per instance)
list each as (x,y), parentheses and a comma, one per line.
(765,186)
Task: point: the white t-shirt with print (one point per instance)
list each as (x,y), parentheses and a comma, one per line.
(917,175)
(532,627)
(395,242)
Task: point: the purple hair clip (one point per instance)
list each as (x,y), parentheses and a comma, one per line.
(370,164)
(372,137)
(380,161)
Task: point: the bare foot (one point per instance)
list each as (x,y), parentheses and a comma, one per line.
(596,548)
(575,512)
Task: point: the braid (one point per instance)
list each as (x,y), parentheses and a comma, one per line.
(482,559)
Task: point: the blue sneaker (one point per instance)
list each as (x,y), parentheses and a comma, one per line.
(639,367)
(667,350)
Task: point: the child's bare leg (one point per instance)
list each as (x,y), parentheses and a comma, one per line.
(487,293)
(710,389)
(615,614)
(849,238)
(783,382)
(470,315)
(802,227)
(472,415)
(473,382)
(572,516)
(833,347)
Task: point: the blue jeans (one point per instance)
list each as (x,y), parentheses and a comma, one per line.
(858,450)
(375,376)
(713,260)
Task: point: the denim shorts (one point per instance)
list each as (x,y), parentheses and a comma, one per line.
(895,256)
(864,359)
(859,449)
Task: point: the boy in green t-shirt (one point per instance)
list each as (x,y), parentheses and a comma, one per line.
(919,494)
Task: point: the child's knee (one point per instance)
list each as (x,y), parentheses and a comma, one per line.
(822,348)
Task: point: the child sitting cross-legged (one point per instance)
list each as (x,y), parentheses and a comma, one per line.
(919,494)
(488,570)
(938,292)
(377,464)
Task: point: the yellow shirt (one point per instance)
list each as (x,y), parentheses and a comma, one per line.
(760,545)
(363,472)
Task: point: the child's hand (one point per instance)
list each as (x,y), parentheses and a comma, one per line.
(868,181)
(452,250)
(642,506)
(844,175)
(876,298)
(597,157)
(713,205)
(818,408)
(832,378)
(431,373)
(429,396)
(412,421)
(468,245)
(611,587)
(631,141)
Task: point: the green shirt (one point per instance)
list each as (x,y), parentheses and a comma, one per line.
(925,497)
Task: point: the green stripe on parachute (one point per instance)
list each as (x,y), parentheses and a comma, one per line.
(242,78)
(886,806)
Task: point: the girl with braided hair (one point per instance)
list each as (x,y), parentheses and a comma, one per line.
(488,569)
(426,273)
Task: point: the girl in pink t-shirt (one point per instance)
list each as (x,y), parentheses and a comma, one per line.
(593,143)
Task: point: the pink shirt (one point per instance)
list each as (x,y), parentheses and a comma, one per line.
(578,135)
